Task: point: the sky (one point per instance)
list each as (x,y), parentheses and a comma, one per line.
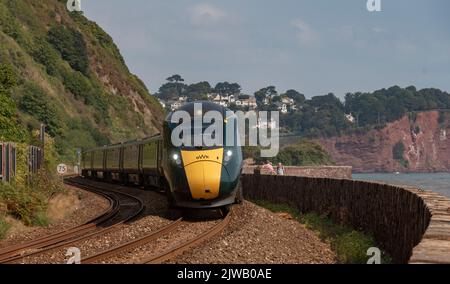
(313,46)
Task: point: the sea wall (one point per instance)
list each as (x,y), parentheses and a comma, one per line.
(319,172)
(410,224)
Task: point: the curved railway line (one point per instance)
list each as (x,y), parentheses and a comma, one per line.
(154,236)
(181,248)
(123,208)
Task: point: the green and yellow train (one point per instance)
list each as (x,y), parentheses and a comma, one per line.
(193,177)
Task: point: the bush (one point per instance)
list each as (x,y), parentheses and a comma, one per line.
(70,43)
(35,102)
(82,88)
(398,153)
(10,128)
(29,203)
(304,153)
(21,203)
(40,219)
(352,247)
(43,53)
(4,227)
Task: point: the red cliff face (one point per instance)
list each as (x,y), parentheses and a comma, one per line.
(426,143)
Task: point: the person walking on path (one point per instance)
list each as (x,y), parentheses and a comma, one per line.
(270,168)
(280,169)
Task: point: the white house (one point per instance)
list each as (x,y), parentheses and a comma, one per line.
(288,101)
(350,118)
(250,102)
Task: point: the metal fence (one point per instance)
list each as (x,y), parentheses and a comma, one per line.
(8,160)
(35,157)
(8,165)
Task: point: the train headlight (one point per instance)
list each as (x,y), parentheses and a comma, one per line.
(176,159)
(228,156)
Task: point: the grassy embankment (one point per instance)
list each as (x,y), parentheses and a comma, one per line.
(349,245)
(61,69)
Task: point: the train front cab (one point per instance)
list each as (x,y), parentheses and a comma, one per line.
(204,177)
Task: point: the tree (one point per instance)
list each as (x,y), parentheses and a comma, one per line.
(173,89)
(296,96)
(72,47)
(198,91)
(175,78)
(327,101)
(267,92)
(226,89)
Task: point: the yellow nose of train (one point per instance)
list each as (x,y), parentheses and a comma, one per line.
(203,171)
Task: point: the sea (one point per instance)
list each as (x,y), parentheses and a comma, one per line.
(438,182)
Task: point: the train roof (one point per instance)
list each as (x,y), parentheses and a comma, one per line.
(126,143)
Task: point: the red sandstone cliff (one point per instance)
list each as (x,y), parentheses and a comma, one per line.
(426,141)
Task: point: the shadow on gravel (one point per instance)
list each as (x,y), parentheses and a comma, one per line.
(156,204)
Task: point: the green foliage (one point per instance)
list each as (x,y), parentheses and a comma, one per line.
(7,77)
(46,55)
(198,91)
(267,92)
(321,116)
(91,93)
(35,102)
(21,202)
(10,128)
(28,203)
(8,24)
(387,105)
(70,43)
(398,153)
(296,96)
(79,134)
(304,153)
(4,227)
(349,245)
(41,219)
(100,35)
(227,89)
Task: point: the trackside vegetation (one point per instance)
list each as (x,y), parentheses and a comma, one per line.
(303,153)
(349,245)
(25,199)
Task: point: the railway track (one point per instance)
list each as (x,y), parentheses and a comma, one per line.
(167,254)
(181,248)
(123,208)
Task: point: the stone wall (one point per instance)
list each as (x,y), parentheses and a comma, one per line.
(319,172)
(397,217)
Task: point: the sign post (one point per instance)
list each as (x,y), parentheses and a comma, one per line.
(62,170)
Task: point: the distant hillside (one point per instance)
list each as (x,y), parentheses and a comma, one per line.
(71,76)
(418,142)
